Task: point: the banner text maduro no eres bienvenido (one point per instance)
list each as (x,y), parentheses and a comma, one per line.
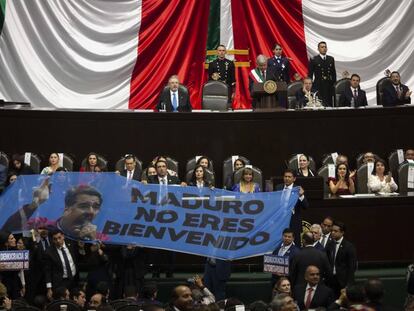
(106,207)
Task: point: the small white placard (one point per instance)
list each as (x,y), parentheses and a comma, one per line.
(400,154)
(60,159)
(248,165)
(233,159)
(334,155)
(298,156)
(27,157)
(410,174)
(370,168)
(331,170)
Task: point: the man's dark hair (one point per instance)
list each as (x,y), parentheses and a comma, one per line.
(130,291)
(340,225)
(276,45)
(40,301)
(59,293)
(356,75)
(328,217)
(75,292)
(288,170)
(129,157)
(103,289)
(308,238)
(395,72)
(56,231)
(288,230)
(355,293)
(258,305)
(322,42)
(71,195)
(161,161)
(148,290)
(61,169)
(374,290)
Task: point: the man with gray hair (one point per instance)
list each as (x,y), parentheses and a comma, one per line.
(316,230)
(258,75)
(174,98)
(283,302)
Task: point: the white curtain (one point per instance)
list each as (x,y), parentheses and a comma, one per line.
(69,54)
(364,37)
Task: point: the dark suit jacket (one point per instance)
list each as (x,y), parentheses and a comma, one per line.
(345,262)
(291,252)
(53,267)
(135,176)
(319,246)
(278,71)
(305,257)
(183,101)
(320,68)
(301,98)
(172,180)
(390,97)
(296,219)
(346,98)
(323,297)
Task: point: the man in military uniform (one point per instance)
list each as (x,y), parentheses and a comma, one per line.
(279,68)
(222,69)
(322,70)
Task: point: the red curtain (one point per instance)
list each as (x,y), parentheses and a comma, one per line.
(172,40)
(258,25)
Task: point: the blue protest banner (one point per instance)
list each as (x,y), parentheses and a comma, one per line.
(105,206)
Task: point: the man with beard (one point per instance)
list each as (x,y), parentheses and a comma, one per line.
(82,204)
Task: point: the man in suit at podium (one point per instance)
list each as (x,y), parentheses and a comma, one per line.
(173,98)
(279,68)
(353,96)
(258,75)
(322,71)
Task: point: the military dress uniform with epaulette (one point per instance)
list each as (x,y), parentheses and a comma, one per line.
(226,70)
(278,71)
(324,73)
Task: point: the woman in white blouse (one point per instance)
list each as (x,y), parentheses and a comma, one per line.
(378,182)
(53,164)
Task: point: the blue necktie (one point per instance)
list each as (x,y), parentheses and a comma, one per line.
(174,102)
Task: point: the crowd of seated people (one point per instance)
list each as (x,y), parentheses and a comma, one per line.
(319,278)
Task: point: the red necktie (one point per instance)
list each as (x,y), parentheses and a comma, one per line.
(309,298)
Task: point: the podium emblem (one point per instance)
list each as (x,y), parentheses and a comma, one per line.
(270,87)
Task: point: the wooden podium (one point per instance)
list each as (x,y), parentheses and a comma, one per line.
(266,101)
